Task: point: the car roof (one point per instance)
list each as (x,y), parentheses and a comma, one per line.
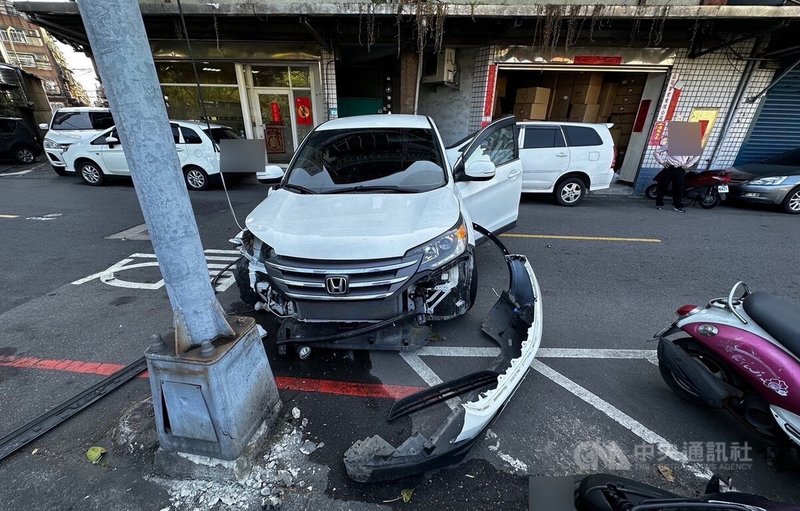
(377,121)
(198,124)
(565,123)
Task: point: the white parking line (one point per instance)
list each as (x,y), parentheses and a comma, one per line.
(592,353)
(623,419)
(427,375)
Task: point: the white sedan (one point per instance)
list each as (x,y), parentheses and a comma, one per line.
(95,157)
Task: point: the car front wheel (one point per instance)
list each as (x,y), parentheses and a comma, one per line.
(791,204)
(91,173)
(196,178)
(570,192)
(24,154)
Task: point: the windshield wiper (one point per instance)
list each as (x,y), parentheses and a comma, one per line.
(366,188)
(298,188)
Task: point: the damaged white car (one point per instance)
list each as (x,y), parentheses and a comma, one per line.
(372,225)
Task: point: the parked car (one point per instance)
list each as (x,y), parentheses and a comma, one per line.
(775,180)
(18,141)
(563,158)
(371,216)
(95,158)
(70,125)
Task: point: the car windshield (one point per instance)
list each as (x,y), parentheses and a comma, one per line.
(218,134)
(789,158)
(402,160)
(82,121)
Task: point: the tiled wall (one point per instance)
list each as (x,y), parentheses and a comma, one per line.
(710,81)
(483,58)
(328,83)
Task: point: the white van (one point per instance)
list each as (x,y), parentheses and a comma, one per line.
(70,125)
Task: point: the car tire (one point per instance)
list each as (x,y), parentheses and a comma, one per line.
(24,154)
(569,192)
(651,192)
(91,173)
(196,178)
(791,204)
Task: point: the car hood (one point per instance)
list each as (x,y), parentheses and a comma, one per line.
(352,226)
(70,136)
(754,170)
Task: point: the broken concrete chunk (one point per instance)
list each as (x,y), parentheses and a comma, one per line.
(308,447)
(296,413)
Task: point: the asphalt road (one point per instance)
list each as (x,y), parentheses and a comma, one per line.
(599,294)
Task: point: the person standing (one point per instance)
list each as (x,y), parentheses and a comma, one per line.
(675,167)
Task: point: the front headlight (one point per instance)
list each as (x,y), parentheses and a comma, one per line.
(49,144)
(444,248)
(776,180)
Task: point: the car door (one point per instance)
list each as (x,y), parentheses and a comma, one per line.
(181,136)
(7,127)
(111,154)
(544,156)
(588,153)
(492,203)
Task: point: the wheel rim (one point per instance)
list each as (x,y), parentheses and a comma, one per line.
(25,155)
(571,192)
(794,201)
(709,199)
(195,178)
(90,173)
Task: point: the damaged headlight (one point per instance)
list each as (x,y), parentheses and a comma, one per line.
(244,240)
(445,248)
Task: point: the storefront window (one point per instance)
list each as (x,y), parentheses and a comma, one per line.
(300,77)
(209,72)
(223,105)
(270,76)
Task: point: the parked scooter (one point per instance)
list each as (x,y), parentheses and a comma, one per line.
(605,492)
(706,188)
(741,354)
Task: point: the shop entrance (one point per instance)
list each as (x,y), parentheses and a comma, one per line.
(628,100)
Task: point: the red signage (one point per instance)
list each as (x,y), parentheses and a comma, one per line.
(658,132)
(641,116)
(597,60)
(302,108)
(488,101)
(276,113)
(673,104)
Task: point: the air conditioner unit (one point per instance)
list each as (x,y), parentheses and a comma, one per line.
(440,68)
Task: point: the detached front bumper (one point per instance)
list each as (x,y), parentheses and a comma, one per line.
(515,323)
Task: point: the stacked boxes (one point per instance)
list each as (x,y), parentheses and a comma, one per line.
(531,103)
(585,106)
(559,107)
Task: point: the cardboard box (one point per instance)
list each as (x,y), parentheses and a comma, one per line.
(624,100)
(560,108)
(533,95)
(586,94)
(628,108)
(589,79)
(531,111)
(634,90)
(501,85)
(584,113)
(624,128)
(622,118)
(607,95)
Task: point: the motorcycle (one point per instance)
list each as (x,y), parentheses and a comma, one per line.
(706,188)
(604,492)
(741,354)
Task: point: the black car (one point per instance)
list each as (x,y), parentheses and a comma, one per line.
(18,141)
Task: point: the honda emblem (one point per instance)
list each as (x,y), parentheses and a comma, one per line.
(336,285)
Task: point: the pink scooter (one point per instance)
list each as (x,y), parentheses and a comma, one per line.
(741,354)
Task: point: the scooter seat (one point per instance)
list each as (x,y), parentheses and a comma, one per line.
(778,316)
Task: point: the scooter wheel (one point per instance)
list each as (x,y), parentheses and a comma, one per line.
(651,192)
(683,388)
(711,200)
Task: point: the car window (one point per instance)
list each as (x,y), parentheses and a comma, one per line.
(537,137)
(218,134)
(82,121)
(499,148)
(7,125)
(190,136)
(791,158)
(580,136)
(463,141)
(401,159)
(101,140)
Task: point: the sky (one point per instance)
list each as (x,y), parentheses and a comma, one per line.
(81,68)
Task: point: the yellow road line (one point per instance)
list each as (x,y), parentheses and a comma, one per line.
(9,216)
(581,238)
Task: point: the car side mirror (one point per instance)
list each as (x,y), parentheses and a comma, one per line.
(273,173)
(481,170)
(111,141)
(44,126)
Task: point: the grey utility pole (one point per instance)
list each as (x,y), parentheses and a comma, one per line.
(119,45)
(211,401)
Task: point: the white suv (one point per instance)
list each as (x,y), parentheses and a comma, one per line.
(94,158)
(566,159)
(68,126)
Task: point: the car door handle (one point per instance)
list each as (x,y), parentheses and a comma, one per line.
(562,155)
(514,173)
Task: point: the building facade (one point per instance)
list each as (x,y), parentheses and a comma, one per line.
(273,70)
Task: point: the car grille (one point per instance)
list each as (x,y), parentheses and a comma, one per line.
(305,279)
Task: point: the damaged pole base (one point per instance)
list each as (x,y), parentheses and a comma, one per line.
(212,410)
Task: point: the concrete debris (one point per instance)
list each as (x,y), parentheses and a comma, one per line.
(308,447)
(296,413)
(305,422)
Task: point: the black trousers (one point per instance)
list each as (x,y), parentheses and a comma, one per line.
(675,176)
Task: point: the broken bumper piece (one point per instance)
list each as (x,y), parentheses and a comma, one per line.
(515,323)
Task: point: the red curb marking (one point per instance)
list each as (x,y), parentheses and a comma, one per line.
(340,388)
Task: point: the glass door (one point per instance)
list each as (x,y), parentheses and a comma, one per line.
(276,125)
